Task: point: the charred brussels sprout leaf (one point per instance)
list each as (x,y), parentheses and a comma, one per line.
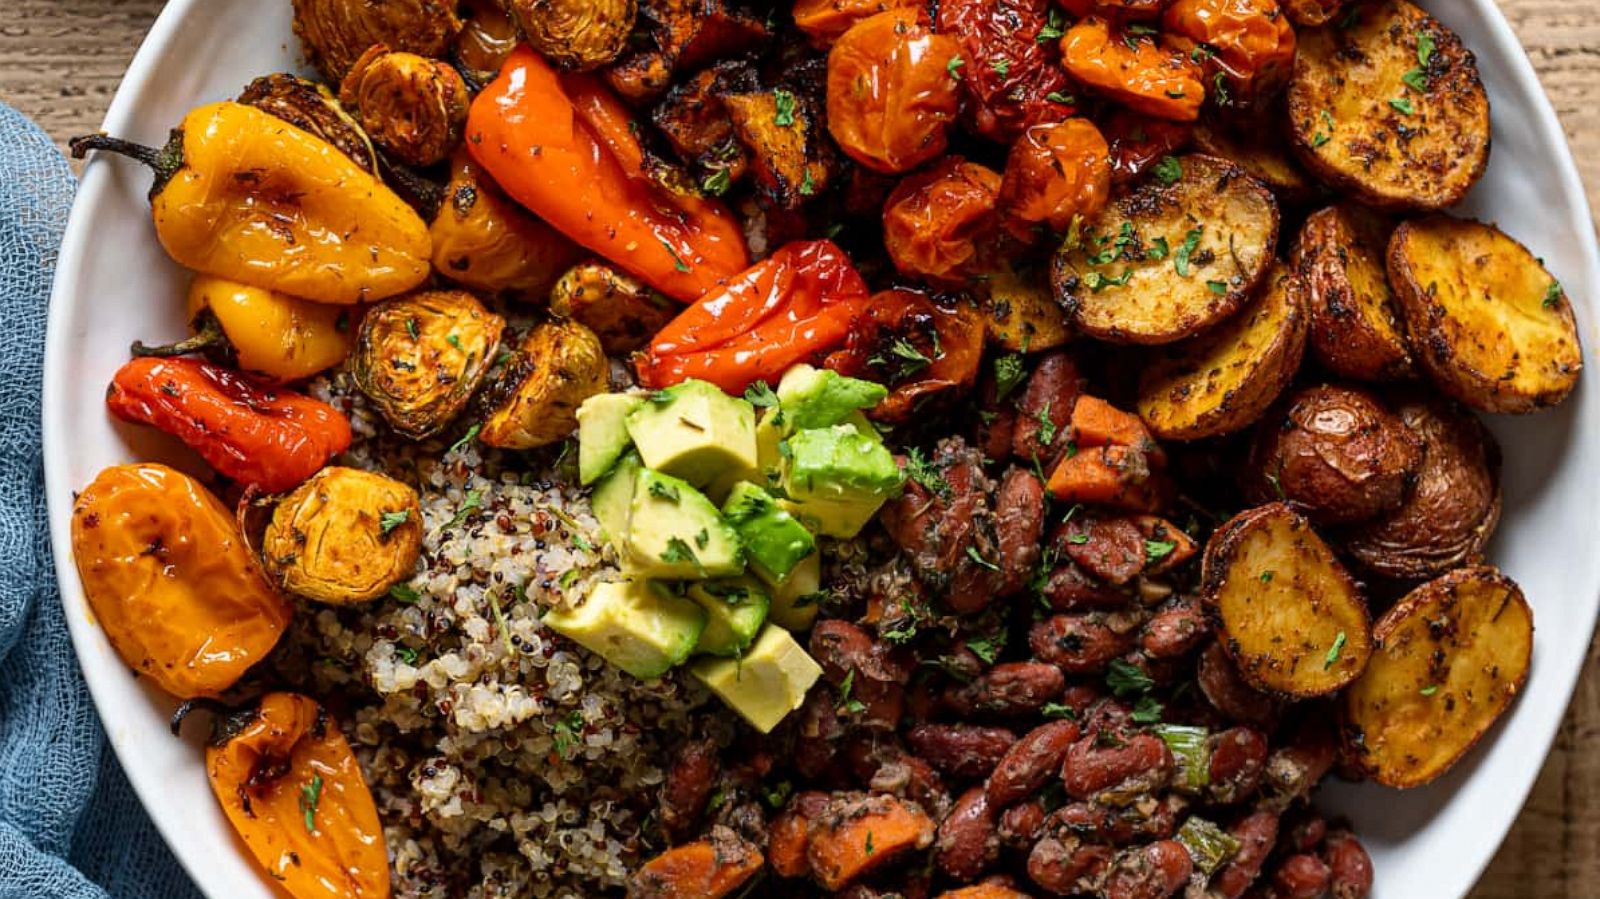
(311,107)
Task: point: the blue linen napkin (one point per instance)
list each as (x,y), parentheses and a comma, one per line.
(70,825)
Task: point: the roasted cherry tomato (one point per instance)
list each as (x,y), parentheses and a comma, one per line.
(1138,142)
(795,305)
(920,348)
(1134,70)
(940,224)
(825,20)
(1248,42)
(1054,173)
(1118,10)
(1012,75)
(893,91)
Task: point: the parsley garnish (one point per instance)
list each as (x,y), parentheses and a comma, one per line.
(388,521)
(679,551)
(1057,710)
(909,359)
(1266,576)
(1156,550)
(471,435)
(405,593)
(1552,295)
(1098,282)
(868,848)
(1008,373)
(1169,170)
(1147,710)
(1333,651)
(974,555)
(406,654)
(677,261)
(1417,80)
(1425,48)
(783,101)
(1047,426)
(310,796)
(1125,679)
(807,185)
(1429,690)
(1001,66)
(1158,250)
(1180,260)
(776,795)
(1078,539)
(926,474)
(1059,97)
(1054,26)
(760,395)
(1403,105)
(473,501)
(988,648)
(853,706)
(568,727)
(1220,288)
(662,490)
(411,328)
(1320,138)
(454,341)
(954,67)
(717,183)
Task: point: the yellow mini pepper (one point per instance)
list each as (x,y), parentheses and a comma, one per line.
(244,195)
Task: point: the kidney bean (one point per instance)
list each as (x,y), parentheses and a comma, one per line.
(877,673)
(1067,865)
(1238,761)
(1069,588)
(1114,768)
(962,750)
(1303,833)
(968,841)
(1018,525)
(1301,876)
(687,788)
(1022,824)
(1031,762)
(1294,770)
(935,529)
(922,701)
(1350,868)
(1178,627)
(1078,644)
(996,430)
(817,732)
(1010,688)
(1256,833)
(1227,691)
(1045,409)
(1147,819)
(1155,871)
(1109,547)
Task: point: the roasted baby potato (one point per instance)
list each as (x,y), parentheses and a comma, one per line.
(791,158)
(558,365)
(1454,503)
(485,241)
(1490,325)
(412,106)
(577,35)
(1019,312)
(1387,106)
(1223,380)
(1291,618)
(1257,145)
(420,357)
(1337,453)
(1173,256)
(1356,329)
(616,306)
(334,33)
(1448,660)
(311,107)
(345,536)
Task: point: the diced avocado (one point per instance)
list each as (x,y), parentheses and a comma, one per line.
(819,398)
(735,611)
(765,684)
(635,625)
(769,458)
(774,541)
(603,433)
(674,532)
(694,431)
(794,602)
(838,477)
(613,497)
(833,518)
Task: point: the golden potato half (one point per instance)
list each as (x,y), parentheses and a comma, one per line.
(420,357)
(345,536)
(1258,146)
(1356,330)
(1449,659)
(1019,312)
(1490,325)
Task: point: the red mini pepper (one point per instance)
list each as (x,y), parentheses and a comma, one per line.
(247,430)
(560,145)
(793,306)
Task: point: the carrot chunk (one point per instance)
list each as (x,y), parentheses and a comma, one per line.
(708,869)
(857,835)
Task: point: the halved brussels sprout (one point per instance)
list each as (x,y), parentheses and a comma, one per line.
(483,240)
(558,366)
(577,35)
(619,308)
(414,107)
(334,33)
(311,107)
(420,357)
(345,536)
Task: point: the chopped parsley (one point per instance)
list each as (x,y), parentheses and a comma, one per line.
(1552,295)
(777,794)
(1098,282)
(988,648)
(411,328)
(1322,137)
(473,502)
(1417,80)
(1054,26)
(662,490)
(926,474)
(1180,259)
(868,847)
(1008,373)
(760,395)
(852,706)
(310,797)
(471,435)
(1266,576)
(568,728)
(807,185)
(1333,651)
(1056,710)
(783,102)
(906,358)
(1047,426)
(1059,97)
(406,654)
(405,593)
(954,67)
(1078,539)
(388,521)
(1156,550)
(1403,105)
(1157,250)
(1001,66)
(1425,48)
(1169,170)
(717,183)
(454,341)
(677,261)
(1125,679)
(1147,710)
(1429,690)
(974,555)
(1220,288)
(679,551)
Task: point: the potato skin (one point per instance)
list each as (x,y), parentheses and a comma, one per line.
(1450,658)
(1491,327)
(1454,503)
(345,536)
(1019,312)
(1356,328)
(1337,453)
(1345,129)
(334,33)
(1258,146)
(558,365)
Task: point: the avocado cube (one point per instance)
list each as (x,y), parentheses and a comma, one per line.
(603,433)
(819,398)
(612,499)
(838,477)
(694,431)
(793,605)
(635,625)
(774,540)
(675,533)
(766,683)
(735,611)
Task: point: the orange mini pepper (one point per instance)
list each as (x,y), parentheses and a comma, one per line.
(560,146)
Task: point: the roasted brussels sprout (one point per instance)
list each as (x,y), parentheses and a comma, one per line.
(558,366)
(345,536)
(420,357)
(487,37)
(577,35)
(311,107)
(616,306)
(485,241)
(334,33)
(414,107)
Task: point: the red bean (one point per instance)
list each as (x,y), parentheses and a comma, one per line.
(1303,834)
(1022,824)
(968,841)
(1350,868)
(1078,644)
(1045,409)
(1177,628)
(1301,876)
(687,788)
(1010,688)
(962,750)
(1031,762)
(1238,760)
(1069,588)
(877,673)
(1256,834)
(1293,771)
(1113,768)
(1067,865)
(1155,871)
(1018,525)
(1110,547)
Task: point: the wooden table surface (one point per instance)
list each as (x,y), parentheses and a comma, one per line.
(61,60)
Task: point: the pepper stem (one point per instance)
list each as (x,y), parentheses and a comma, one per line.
(208,334)
(165,160)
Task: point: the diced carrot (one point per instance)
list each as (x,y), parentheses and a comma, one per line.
(1109,475)
(1096,422)
(1158,532)
(984,891)
(858,835)
(708,869)
(790,834)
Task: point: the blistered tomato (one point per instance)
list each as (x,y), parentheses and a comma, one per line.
(923,350)
(825,20)
(1053,173)
(1249,41)
(893,91)
(939,223)
(1138,142)
(1009,66)
(1134,70)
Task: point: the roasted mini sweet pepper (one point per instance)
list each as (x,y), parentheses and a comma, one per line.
(291,787)
(254,433)
(792,306)
(244,195)
(560,145)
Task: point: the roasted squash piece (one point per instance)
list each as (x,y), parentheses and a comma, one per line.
(558,365)
(1356,330)
(1386,105)
(420,357)
(1224,380)
(1490,325)
(619,308)
(1019,312)
(415,108)
(708,869)
(334,33)
(485,241)
(345,536)
(576,35)
(694,120)
(1291,618)
(1449,659)
(790,157)
(311,107)
(860,834)
(1171,257)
